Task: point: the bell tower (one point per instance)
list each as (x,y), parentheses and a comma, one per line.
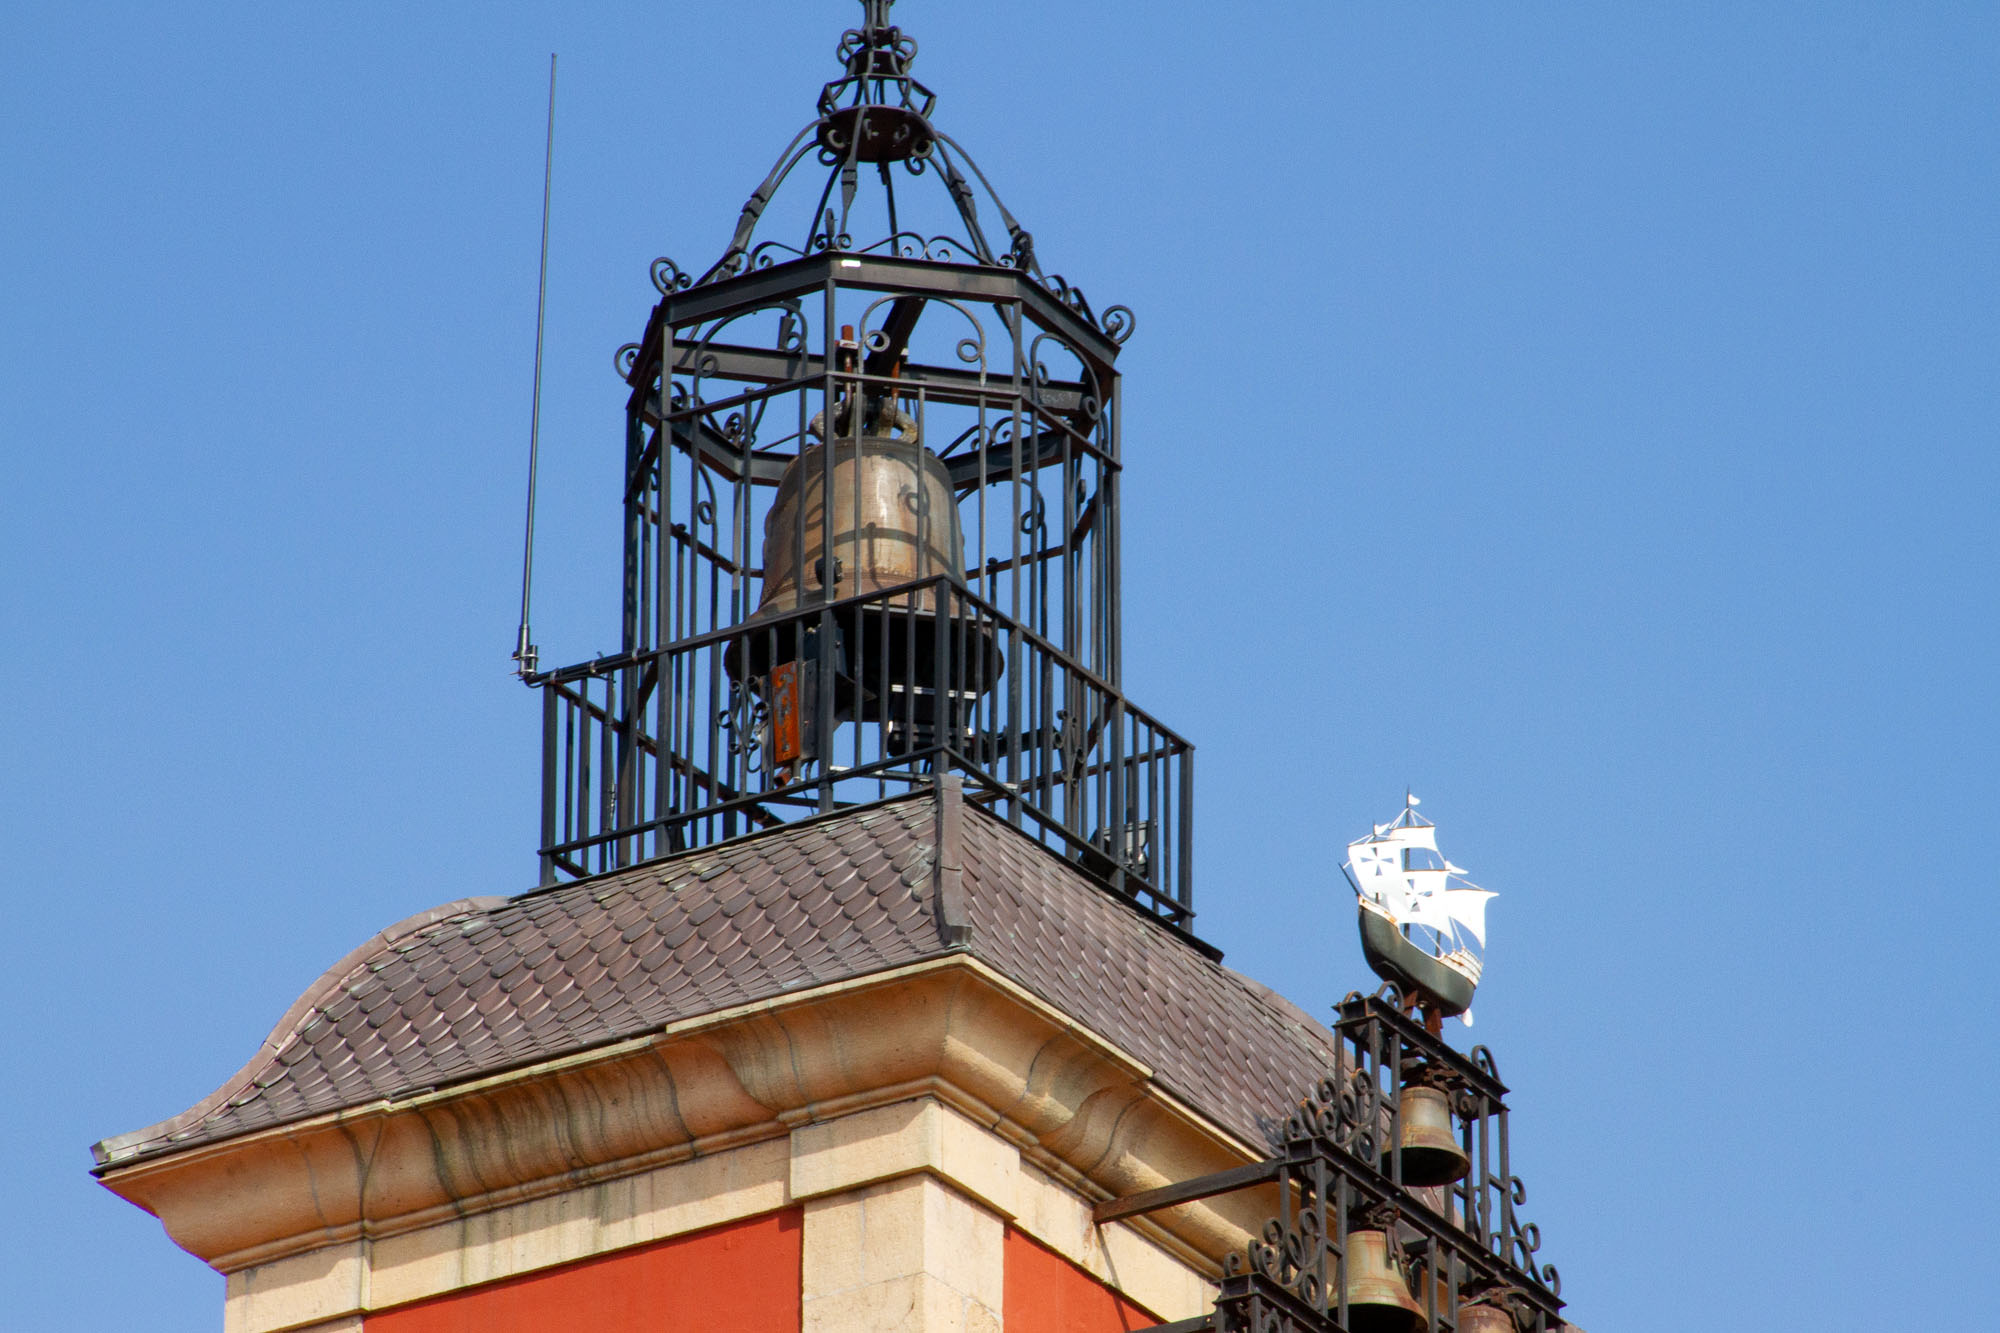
(871,526)
(859,991)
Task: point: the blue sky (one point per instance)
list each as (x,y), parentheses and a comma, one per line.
(1585,415)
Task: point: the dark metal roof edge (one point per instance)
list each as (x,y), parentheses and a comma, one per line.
(793,277)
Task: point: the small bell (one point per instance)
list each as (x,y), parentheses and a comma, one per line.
(1430,1151)
(1378,1300)
(1485,1319)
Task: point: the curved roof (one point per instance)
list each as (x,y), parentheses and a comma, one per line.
(488,984)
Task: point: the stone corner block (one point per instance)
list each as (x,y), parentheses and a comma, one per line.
(922,1135)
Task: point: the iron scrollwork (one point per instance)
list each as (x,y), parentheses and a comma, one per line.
(1293,1257)
(1117,322)
(668,278)
(1521,1241)
(1345,1112)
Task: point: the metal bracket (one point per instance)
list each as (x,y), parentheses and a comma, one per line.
(1188,1191)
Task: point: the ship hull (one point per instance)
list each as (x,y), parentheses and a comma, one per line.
(1412,968)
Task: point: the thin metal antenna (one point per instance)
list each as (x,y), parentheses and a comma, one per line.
(525,654)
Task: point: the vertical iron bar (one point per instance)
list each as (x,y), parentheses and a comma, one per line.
(1151,825)
(667,580)
(1012,768)
(666,560)
(1485,1232)
(570,775)
(1184,890)
(551,792)
(826,665)
(1344,1204)
(1113,667)
(584,767)
(1119,782)
(1509,1223)
(607,795)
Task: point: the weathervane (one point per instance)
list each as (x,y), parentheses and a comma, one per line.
(1423,924)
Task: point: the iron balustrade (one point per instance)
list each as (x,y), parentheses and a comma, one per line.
(855,701)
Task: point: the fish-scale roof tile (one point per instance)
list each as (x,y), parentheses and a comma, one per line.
(484,985)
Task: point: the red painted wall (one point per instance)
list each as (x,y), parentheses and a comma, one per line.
(1046,1293)
(743,1277)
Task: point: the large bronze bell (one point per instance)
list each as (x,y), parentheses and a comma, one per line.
(893,519)
(1378,1300)
(1430,1151)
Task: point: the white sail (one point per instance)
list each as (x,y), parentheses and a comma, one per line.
(1467,907)
(1377,868)
(1415,835)
(1422,894)
(1370,847)
(1426,899)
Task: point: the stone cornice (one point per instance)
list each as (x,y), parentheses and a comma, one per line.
(952,1028)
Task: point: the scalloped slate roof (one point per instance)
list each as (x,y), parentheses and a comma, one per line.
(479,986)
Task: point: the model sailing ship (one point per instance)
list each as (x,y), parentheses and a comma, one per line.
(1423,924)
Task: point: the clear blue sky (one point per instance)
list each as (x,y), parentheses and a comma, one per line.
(1585,415)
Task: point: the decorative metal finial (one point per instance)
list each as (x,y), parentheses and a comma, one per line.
(877,114)
(875,15)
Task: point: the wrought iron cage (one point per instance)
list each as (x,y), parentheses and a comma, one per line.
(775,666)
(683,738)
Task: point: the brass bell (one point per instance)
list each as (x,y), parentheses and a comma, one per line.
(1430,1151)
(1485,1319)
(893,519)
(893,515)
(1378,1300)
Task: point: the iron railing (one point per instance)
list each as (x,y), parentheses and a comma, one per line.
(855,701)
